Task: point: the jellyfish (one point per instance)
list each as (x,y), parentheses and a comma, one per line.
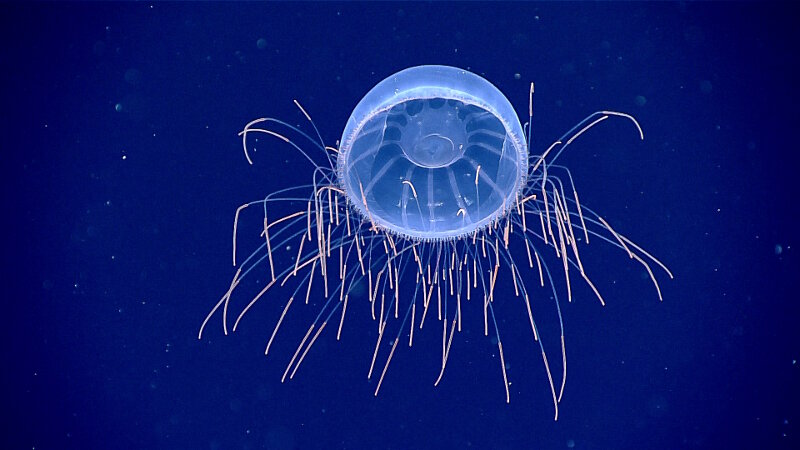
(431,195)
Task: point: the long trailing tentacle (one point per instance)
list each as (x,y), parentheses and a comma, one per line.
(250,128)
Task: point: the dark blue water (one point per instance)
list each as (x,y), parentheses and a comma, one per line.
(121,171)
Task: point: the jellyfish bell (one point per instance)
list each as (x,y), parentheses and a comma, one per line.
(433,153)
(432,183)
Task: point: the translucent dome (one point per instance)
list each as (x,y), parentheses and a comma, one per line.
(433,152)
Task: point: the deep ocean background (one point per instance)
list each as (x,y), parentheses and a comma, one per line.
(121,171)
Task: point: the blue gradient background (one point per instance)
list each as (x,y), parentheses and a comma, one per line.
(117,226)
